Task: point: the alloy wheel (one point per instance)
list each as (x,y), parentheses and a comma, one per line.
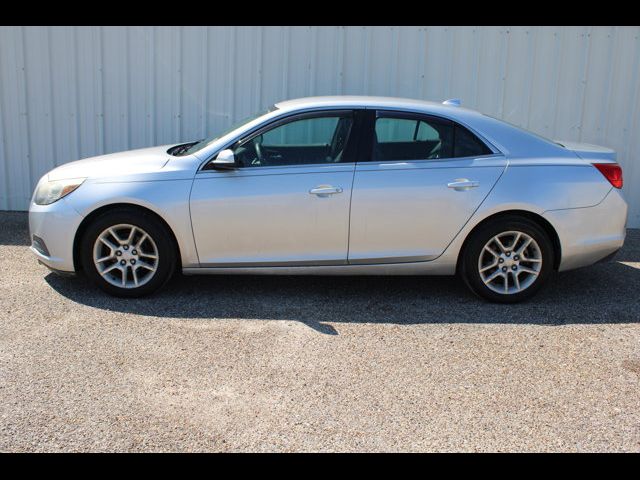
(126,256)
(510,262)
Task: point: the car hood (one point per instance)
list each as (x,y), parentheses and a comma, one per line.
(144,160)
(588,151)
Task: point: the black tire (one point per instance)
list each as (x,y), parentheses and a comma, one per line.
(469,269)
(167,250)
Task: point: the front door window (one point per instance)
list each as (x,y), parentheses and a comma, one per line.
(305,141)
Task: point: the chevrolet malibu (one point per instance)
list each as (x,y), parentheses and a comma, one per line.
(337,186)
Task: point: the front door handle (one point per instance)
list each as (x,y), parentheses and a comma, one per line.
(461,184)
(325,190)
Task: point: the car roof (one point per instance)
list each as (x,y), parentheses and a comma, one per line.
(365,101)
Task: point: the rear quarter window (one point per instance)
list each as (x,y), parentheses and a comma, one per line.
(468,145)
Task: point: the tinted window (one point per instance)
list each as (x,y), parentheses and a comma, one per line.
(427,132)
(468,145)
(395,130)
(305,141)
(412,139)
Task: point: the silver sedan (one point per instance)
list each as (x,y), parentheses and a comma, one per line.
(337,186)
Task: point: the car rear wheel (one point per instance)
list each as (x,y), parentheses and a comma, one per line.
(128,253)
(507,260)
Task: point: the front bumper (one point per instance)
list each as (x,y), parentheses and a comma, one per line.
(588,235)
(54,226)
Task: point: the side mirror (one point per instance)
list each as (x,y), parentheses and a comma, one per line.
(224,160)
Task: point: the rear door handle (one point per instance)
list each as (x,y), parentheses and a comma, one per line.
(461,184)
(325,190)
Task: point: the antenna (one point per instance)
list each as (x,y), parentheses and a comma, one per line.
(454,102)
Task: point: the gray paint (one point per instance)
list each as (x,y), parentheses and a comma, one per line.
(261,216)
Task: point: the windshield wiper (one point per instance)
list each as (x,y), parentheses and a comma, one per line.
(180,149)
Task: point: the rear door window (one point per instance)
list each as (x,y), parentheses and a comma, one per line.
(401,137)
(468,145)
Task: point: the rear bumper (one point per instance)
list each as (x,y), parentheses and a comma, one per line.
(588,235)
(52,229)
(609,257)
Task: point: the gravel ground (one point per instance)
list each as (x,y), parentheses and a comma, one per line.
(317,364)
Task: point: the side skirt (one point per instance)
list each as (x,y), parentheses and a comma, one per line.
(418,268)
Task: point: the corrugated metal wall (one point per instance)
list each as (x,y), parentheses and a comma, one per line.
(73,92)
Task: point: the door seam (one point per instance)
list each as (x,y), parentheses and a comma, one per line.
(353,177)
(193,233)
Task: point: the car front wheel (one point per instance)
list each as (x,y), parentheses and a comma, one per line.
(128,253)
(507,260)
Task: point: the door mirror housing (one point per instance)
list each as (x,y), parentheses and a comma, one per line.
(224,160)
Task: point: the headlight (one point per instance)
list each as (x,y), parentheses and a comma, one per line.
(49,192)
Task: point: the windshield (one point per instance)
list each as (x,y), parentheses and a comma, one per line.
(189,148)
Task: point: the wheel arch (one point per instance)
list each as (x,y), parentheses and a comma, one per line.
(534,217)
(77,262)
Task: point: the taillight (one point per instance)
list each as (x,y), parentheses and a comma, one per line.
(611,172)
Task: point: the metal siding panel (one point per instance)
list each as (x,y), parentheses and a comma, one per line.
(167,73)
(257,81)
(299,61)
(39,102)
(271,90)
(92,90)
(327,68)
(230,65)
(139,73)
(545,72)
(462,75)
(519,75)
(381,61)
(490,75)
(4,201)
(626,68)
(340,48)
(632,156)
(421,61)
(89,88)
(618,128)
(116,80)
(193,83)
(63,82)
(4,141)
(437,59)
(407,71)
(312,61)
(16,131)
(570,86)
(598,86)
(218,113)
(246,54)
(4,159)
(354,61)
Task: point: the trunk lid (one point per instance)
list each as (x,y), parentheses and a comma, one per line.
(589,152)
